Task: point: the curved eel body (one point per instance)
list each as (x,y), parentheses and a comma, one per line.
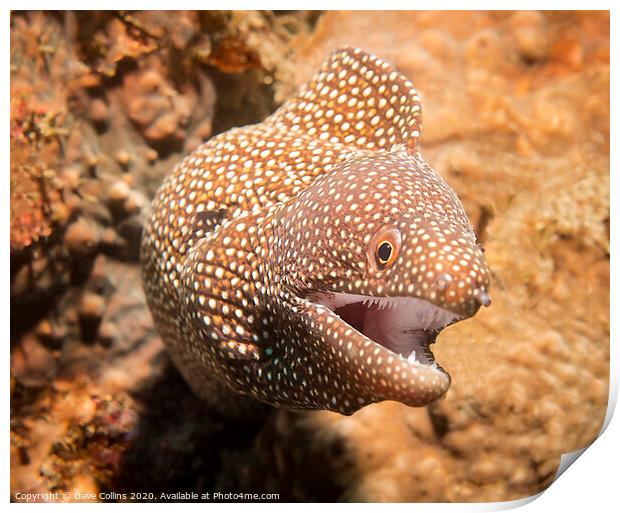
(309,261)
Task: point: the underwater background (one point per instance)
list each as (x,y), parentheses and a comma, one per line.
(104,104)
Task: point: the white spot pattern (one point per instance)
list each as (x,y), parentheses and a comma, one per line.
(256,220)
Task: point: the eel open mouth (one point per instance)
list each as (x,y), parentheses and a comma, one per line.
(405,326)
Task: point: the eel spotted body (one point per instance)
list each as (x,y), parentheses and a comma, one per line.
(309,261)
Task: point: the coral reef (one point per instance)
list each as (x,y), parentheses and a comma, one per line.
(516,118)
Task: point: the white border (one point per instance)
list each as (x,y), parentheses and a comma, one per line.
(589,484)
(566,5)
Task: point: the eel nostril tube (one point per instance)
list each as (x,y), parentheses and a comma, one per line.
(483,297)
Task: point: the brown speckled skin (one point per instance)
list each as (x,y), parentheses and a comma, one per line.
(259,218)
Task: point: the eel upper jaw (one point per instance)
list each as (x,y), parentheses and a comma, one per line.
(404,326)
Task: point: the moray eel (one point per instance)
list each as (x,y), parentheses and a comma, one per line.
(310,260)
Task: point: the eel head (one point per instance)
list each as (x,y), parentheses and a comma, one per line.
(377,257)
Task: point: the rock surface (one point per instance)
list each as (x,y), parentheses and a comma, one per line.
(516,118)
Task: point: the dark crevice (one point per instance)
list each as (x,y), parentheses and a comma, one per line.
(186,445)
(242,99)
(440,422)
(484,218)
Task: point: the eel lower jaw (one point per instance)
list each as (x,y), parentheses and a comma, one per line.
(404,326)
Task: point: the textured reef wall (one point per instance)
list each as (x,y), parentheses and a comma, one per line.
(516,118)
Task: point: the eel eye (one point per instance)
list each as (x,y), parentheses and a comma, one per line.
(384,252)
(383,248)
